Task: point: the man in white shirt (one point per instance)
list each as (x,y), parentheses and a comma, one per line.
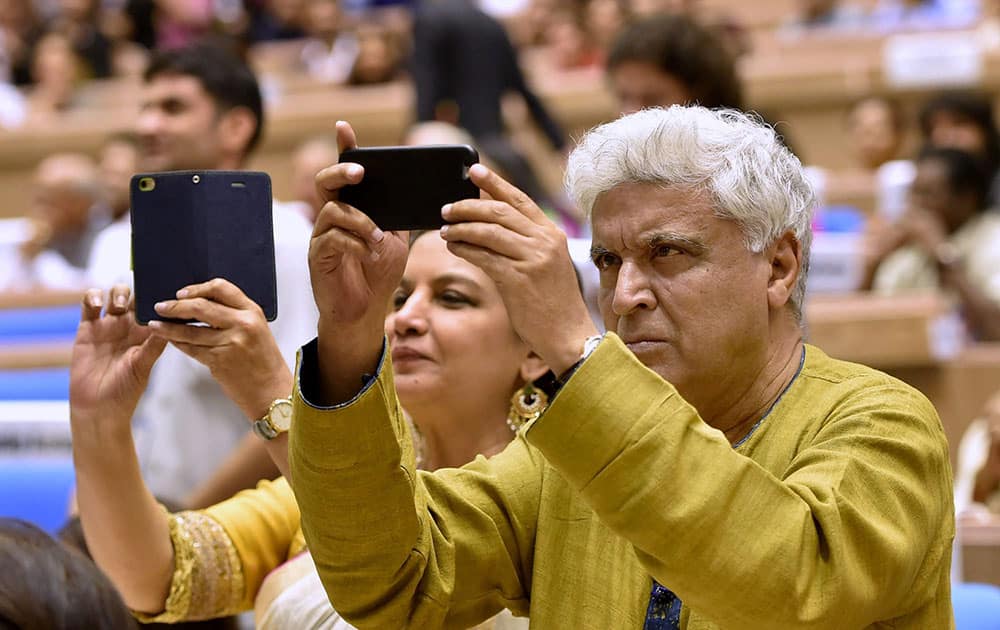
(201,110)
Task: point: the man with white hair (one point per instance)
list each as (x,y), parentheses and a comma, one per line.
(698,466)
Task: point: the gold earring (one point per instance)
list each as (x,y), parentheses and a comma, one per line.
(527,404)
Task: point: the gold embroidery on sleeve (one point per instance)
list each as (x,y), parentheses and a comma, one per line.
(208,577)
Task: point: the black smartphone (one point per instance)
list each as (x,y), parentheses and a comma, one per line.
(192,226)
(405,187)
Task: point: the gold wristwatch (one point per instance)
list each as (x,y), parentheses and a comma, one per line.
(276,421)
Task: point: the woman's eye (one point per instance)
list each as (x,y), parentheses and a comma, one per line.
(453,298)
(398,300)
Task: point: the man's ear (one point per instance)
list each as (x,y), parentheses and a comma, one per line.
(786,265)
(532,367)
(236,127)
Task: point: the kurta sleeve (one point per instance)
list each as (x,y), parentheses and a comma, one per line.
(395,548)
(856,529)
(223,553)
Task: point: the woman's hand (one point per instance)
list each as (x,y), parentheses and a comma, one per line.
(519,248)
(111,361)
(236,345)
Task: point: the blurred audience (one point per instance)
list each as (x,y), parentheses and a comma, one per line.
(46,585)
(945,240)
(66,214)
(824,15)
(892,15)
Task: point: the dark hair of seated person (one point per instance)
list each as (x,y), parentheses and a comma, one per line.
(44,584)
(966,173)
(71,535)
(692,53)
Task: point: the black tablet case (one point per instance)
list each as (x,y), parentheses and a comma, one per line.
(193,226)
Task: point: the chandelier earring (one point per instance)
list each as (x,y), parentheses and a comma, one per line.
(527,404)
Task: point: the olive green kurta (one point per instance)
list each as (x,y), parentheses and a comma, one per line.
(836,513)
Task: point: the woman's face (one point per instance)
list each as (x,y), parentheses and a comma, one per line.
(449,332)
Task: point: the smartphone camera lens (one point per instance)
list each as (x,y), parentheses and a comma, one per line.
(196,178)
(147,184)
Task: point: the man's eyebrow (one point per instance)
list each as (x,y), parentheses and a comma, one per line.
(597,251)
(692,245)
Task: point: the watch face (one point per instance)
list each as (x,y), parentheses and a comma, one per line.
(281,415)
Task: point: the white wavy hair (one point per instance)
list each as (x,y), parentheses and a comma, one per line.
(738,159)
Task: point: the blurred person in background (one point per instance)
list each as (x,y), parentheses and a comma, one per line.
(118,160)
(816,15)
(463,66)
(56,74)
(672,59)
(567,42)
(20,29)
(79,21)
(46,585)
(964,120)
(977,474)
(331,48)
(276,20)
(67,213)
(380,56)
(877,131)
(308,159)
(201,109)
(945,240)
(604,19)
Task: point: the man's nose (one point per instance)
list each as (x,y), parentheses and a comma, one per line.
(632,290)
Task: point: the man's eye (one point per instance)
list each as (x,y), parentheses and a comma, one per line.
(664,250)
(605,261)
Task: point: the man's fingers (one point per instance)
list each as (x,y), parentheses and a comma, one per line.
(91,305)
(489,237)
(182,333)
(487,211)
(346,138)
(331,179)
(501,190)
(335,243)
(218,290)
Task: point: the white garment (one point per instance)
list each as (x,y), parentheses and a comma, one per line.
(47,270)
(185,425)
